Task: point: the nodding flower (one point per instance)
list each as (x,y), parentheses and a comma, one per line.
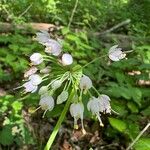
(32,84)
(115,53)
(94,106)
(85,83)
(67,59)
(76,111)
(29,87)
(53,47)
(36,58)
(42,37)
(104,101)
(35,79)
(47,102)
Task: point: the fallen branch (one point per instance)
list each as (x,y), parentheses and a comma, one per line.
(116,26)
(27,27)
(122,37)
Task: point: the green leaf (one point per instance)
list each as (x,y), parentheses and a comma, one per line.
(118,124)
(6,137)
(142,144)
(132,107)
(65,30)
(133,130)
(17,105)
(136,95)
(146,112)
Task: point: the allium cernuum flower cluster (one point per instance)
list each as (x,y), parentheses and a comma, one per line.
(53,74)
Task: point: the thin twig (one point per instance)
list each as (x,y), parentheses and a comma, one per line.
(73,12)
(140,134)
(25,10)
(116,26)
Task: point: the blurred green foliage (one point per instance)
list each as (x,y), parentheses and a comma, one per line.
(125,81)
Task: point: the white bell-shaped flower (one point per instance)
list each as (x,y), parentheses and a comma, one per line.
(85,82)
(56,84)
(67,59)
(29,87)
(94,106)
(104,101)
(76,111)
(36,58)
(62,97)
(115,53)
(53,47)
(42,37)
(47,102)
(43,90)
(35,79)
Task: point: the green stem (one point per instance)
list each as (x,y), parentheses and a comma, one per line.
(59,122)
(93,61)
(96,90)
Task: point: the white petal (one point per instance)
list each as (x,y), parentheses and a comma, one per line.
(93,105)
(47,103)
(36,58)
(104,101)
(53,47)
(67,59)
(76,110)
(85,82)
(29,87)
(35,79)
(42,37)
(31,71)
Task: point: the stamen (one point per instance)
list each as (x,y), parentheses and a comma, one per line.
(83,130)
(18,87)
(114,112)
(101,123)
(35,110)
(44,113)
(75,124)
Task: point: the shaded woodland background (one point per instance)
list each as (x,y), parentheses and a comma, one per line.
(96,26)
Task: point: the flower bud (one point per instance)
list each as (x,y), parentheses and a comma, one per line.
(47,102)
(67,59)
(29,87)
(46,70)
(36,58)
(43,90)
(115,53)
(56,84)
(85,82)
(62,97)
(35,79)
